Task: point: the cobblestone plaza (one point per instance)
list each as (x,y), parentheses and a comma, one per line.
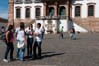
(84,51)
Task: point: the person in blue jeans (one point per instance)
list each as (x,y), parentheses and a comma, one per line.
(9,44)
(72,31)
(20,34)
(29,33)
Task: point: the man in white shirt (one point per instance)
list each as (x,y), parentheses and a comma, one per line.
(38,40)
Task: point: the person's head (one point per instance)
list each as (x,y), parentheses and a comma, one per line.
(31,26)
(10,27)
(2,27)
(38,25)
(70,19)
(22,25)
(62,27)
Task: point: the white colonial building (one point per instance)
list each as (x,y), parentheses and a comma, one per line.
(53,14)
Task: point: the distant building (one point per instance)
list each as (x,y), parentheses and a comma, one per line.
(53,14)
(3,22)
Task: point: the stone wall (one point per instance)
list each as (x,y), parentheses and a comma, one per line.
(91,23)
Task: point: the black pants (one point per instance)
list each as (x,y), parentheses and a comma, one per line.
(29,46)
(10,48)
(42,35)
(37,45)
(61,35)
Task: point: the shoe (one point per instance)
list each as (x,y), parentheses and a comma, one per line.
(5,60)
(12,59)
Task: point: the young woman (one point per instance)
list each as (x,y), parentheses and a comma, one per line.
(9,43)
(20,33)
(29,33)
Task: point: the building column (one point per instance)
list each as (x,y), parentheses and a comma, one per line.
(56,8)
(70,8)
(68,13)
(44,9)
(11,12)
(56,14)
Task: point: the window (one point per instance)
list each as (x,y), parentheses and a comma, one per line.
(28,1)
(62,11)
(90,10)
(37,12)
(77,11)
(18,13)
(27,12)
(18,0)
(51,11)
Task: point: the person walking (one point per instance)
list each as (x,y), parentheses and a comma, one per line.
(72,33)
(3,31)
(38,41)
(9,44)
(20,34)
(61,33)
(29,33)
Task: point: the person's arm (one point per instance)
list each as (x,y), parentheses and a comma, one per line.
(7,36)
(25,38)
(36,34)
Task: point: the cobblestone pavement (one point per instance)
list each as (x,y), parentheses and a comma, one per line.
(84,51)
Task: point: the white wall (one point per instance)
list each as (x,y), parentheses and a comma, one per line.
(32,9)
(64,23)
(84,8)
(79,28)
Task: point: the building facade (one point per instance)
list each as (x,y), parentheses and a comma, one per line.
(53,14)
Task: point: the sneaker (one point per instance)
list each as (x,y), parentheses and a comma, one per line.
(5,60)
(12,59)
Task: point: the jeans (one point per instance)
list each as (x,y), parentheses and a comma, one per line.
(10,48)
(37,44)
(20,53)
(73,35)
(61,36)
(29,46)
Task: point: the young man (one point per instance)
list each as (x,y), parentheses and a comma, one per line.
(61,33)
(38,41)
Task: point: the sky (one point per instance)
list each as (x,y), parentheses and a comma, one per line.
(4,9)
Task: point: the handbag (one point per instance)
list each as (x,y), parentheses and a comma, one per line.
(20,44)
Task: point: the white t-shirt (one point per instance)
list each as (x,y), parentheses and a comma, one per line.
(20,34)
(29,33)
(38,38)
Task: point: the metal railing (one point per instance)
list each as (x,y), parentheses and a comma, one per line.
(27,1)
(51,17)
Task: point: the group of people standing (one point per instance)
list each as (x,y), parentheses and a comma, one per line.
(29,38)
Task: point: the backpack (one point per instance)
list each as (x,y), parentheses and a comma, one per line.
(3,37)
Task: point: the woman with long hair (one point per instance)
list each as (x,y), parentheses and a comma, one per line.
(20,33)
(9,43)
(29,33)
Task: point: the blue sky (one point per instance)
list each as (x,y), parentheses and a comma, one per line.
(4,8)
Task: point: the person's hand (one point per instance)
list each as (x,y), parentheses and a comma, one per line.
(25,42)
(7,41)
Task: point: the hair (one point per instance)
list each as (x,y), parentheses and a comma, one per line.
(22,26)
(39,24)
(30,26)
(2,27)
(10,27)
